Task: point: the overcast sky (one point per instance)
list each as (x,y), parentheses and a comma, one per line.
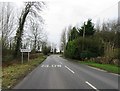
(62,13)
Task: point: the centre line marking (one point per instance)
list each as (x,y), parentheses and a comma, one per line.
(92,86)
(69,69)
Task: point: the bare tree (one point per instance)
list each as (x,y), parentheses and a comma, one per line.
(33,9)
(36,34)
(63,40)
(6,23)
(68,32)
(109,36)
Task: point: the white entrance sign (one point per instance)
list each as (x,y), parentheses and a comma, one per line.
(25,50)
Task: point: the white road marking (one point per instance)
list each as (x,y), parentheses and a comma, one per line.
(69,69)
(103,70)
(51,66)
(92,86)
(45,66)
(97,68)
(115,74)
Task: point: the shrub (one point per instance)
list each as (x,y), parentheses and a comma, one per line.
(46,50)
(84,48)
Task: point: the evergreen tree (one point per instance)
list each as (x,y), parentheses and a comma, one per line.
(73,34)
(87,28)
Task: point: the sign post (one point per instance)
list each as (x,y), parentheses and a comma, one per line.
(22,58)
(28,56)
(25,50)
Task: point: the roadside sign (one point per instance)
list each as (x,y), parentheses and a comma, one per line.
(25,50)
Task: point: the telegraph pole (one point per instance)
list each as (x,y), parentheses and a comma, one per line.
(84,31)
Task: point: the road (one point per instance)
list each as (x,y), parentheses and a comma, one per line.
(58,73)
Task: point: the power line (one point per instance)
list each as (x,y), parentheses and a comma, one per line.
(104,10)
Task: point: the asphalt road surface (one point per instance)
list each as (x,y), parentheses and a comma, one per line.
(58,73)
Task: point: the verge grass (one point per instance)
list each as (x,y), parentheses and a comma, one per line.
(107,67)
(14,73)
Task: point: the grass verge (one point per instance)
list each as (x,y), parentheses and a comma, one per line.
(107,67)
(14,73)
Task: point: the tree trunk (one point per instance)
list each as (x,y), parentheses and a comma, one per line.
(19,33)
